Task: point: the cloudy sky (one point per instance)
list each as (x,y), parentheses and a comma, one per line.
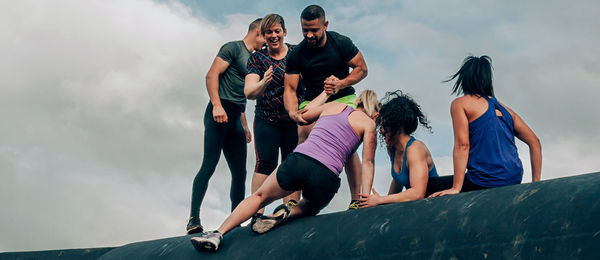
(102,102)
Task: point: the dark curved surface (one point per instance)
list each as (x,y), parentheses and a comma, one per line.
(64,254)
(553,219)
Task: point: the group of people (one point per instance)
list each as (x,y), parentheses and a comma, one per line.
(307,111)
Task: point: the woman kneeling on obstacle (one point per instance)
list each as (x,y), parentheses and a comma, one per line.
(313,167)
(412,164)
(484,134)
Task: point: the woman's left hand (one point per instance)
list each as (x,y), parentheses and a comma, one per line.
(367,200)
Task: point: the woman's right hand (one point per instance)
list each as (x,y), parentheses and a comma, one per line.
(369,200)
(268,76)
(450,191)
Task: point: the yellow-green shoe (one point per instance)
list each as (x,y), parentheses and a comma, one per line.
(290,204)
(353,205)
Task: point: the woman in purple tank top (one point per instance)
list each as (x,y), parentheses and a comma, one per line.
(312,168)
(484,132)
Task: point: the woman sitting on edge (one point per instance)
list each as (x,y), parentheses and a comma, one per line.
(412,164)
(484,134)
(313,168)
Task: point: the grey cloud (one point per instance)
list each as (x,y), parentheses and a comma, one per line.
(103,102)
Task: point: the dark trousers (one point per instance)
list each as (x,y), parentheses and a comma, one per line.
(231,139)
(268,140)
(441,183)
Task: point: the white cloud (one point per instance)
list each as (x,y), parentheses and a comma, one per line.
(103,101)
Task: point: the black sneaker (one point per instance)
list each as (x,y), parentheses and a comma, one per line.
(207,242)
(353,204)
(193,226)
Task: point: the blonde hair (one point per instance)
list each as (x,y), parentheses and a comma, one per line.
(368,101)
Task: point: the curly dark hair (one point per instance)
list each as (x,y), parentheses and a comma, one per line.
(400,114)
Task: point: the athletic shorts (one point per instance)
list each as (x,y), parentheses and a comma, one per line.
(348,100)
(269,139)
(301,172)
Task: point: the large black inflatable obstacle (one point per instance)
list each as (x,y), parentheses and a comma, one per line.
(553,219)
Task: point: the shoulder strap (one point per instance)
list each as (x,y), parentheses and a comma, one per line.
(412,139)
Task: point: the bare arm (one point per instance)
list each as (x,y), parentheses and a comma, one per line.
(358,73)
(290,99)
(212,85)
(460,154)
(245,126)
(254,86)
(318,101)
(525,134)
(311,114)
(368,156)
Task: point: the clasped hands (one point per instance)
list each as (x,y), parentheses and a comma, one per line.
(332,85)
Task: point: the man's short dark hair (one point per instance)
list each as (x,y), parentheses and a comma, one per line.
(312,12)
(254,25)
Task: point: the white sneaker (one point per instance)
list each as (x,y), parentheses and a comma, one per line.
(207,241)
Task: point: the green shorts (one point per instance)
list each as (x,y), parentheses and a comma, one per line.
(348,100)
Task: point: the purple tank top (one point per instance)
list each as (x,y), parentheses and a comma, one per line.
(331,141)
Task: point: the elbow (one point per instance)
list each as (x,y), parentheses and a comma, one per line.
(462,146)
(365,72)
(418,196)
(537,143)
(249,95)
(210,77)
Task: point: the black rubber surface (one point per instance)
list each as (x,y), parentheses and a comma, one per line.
(554,219)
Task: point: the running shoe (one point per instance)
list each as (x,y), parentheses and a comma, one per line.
(193,226)
(291,203)
(264,224)
(207,242)
(254,218)
(353,204)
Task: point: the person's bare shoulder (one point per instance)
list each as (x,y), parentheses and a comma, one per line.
(417,147)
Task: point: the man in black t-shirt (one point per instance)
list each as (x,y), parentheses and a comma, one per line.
(323,60)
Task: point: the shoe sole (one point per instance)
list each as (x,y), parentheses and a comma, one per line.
(204,246)
(262,226)
(194,230)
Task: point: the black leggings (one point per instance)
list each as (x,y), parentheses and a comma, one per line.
(441,183)
(269,138)
(231,139)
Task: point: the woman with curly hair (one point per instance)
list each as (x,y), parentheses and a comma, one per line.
(412,164)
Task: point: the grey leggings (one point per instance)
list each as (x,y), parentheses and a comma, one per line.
(231,139)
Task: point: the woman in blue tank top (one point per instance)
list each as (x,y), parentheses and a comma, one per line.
(412,165)
(484,134)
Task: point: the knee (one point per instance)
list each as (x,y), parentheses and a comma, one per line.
(311,211)
(259,195)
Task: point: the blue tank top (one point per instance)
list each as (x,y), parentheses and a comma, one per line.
(403,177)
(493,158)
(331,141)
